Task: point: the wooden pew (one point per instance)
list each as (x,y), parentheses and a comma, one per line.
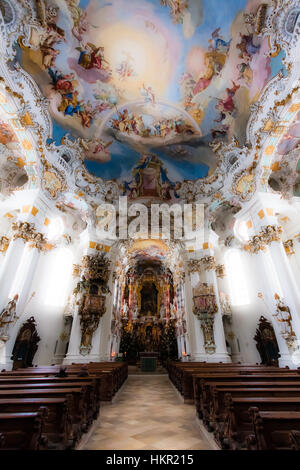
(24,389)
(294,440)
(274,430)
(237,425)
(23,431)
(93,384)
(205,397)
(111,378)
(202,381)
(183,374)
(80,415)
(91,396)
(217,408)
(58,428)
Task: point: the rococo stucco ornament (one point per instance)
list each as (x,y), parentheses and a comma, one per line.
(90,296)
(4,244)
(289,247)
(23,230)
(220,271)
(271,233)
(208,263)
(268,234)
(205,308)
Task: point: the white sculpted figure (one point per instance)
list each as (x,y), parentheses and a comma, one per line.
(8,316)
(125,309)
(173,311)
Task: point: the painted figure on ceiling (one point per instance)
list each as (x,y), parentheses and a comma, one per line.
(91,64)
(148,94)
(69,104)
(125,69)
(91,56)
(217,43)
(177,9)
(247,46)
(226,105)
(63,83)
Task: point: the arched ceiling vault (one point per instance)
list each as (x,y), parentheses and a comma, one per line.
(106,98)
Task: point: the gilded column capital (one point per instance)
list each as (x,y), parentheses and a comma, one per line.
(194,265)
(220,270)
(208,263)
(268,234)
(271,233)
(289,247)
(23,230)
(4,243)
(256,244)
(39,241)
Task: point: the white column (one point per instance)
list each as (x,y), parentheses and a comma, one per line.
(22,288)
(287,281)
(221,353)
(193,324)
(73,354)
(268,290)
(9,268)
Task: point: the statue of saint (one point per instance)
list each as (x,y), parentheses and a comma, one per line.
(8,316)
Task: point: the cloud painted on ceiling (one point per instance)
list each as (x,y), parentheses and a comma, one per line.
(162,77)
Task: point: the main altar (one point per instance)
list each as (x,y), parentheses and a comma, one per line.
(148,317)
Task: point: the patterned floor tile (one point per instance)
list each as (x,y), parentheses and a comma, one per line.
(147,414)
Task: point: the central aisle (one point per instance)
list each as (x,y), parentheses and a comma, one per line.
(147,414)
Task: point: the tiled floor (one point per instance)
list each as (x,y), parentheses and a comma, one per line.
(147,414)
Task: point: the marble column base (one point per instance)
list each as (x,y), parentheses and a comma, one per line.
(235,358)
(286,360)
(58,359)
(216,357)
(6,363)
(70,358)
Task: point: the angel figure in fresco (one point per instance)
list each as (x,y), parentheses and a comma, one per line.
(217,43)
(125,68)
(49,55)
(79,17)
(6,134)
(81,25)
(69,104)
(64,83)
(245,72)
(101,146)
(53,35)
(148,94)
(226,105)
(177,9)
(91,64)
(247,46)
(86,114)
(214,62)
(91,56)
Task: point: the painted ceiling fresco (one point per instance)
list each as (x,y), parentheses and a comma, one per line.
(148,77)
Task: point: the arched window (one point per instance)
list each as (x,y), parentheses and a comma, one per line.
(236,276)
(59,271)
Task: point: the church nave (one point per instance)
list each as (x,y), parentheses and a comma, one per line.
(147,414)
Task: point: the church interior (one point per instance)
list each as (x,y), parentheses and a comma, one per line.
(149,225)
